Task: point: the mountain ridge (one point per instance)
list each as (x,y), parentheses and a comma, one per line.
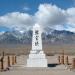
(55,36)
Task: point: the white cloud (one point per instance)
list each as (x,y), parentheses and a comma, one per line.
(50,15)
(16,20)
(59,27)
(55,17)
(70,28)
(26,8)
(71,16)
(47,16)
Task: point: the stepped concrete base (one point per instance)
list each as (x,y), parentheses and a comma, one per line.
(37,62)
(37,59)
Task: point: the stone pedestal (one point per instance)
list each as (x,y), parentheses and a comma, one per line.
(37,60)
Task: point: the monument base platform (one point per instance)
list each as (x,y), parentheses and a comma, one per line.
(37,59)
(37,62)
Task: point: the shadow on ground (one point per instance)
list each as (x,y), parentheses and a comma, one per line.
(52,65)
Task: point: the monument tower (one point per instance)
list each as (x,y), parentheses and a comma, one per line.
(37,57)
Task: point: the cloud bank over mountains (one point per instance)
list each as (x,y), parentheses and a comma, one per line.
(48,15)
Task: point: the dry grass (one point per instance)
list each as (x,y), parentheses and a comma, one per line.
(48,49)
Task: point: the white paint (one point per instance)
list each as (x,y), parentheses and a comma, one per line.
(36,27)
(36,56)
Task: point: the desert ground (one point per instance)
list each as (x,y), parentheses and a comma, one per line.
(52,52)
(21,69)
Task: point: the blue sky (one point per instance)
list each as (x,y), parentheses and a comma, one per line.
(29,7)
(7,6)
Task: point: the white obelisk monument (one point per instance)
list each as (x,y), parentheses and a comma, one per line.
(37,57)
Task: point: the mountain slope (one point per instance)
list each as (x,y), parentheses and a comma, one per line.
(53,36)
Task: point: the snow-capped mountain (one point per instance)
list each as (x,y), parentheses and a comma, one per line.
(52,36)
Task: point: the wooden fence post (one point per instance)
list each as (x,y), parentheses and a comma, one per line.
(9,61)
(15,59)
(12,60)
(2,63)
(62,57)
(73,63)
(66,60)
(58,59)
